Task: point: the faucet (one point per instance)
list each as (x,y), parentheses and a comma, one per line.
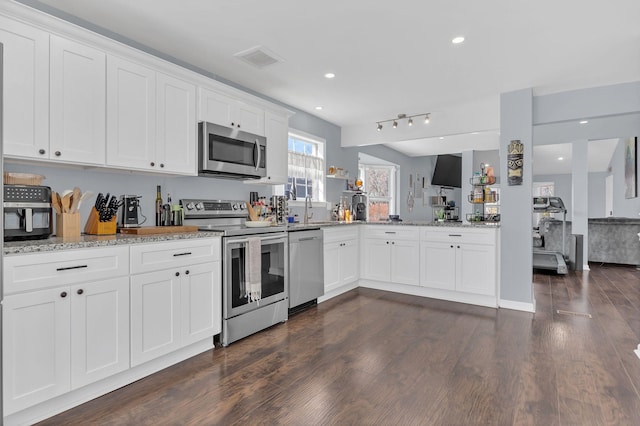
(307,206)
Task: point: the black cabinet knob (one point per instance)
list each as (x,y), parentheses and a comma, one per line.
(161,165)
(42,151)
(451,246)
(80,291)
(238,126)
(186,272)
(458,246)
(153,164)
(233,124)
(63,294)
(177,274)
(58,153)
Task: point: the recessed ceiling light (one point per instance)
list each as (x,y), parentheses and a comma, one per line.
(318,108)
(474,133)
(441,137)
(560,158)
(584,121)
(457,40)
(329,75)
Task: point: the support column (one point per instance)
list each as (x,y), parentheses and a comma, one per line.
(579,195)
(516,275)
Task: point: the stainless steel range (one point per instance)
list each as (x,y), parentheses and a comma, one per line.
(255,264)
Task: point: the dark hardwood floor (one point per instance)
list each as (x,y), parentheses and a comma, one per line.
(372,357)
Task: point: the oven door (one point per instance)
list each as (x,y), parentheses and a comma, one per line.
(274,261)
(231,152)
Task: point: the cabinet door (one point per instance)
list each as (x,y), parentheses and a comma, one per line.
(349,261)
(26,90)
(131,114)
(99,330)
(201,300)
(216,108)
(405,262)
(78,85)
(155,315)
(277,133)
(249,118)
(176,132)
(376,259)
(438,265)
(477,269)
(331,254)
(36,345)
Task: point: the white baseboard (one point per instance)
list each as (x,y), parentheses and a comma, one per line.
(637,351)
(518,306)
(337,291)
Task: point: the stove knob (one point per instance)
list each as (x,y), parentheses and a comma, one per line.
(236,206)
(243,206)
(190,206)
(199,206)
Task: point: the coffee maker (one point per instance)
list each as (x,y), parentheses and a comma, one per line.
(359,203)
(130,205)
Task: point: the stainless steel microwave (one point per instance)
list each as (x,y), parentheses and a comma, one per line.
(231,153)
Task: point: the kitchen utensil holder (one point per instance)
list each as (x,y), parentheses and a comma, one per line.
(95,227)
(68,225)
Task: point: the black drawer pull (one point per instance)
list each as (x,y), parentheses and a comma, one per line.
(72,267)
(186,253)
(455,235)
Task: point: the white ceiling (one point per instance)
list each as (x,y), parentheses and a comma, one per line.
(391,58)
(546,157)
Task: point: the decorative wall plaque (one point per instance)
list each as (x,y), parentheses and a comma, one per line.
(514,162)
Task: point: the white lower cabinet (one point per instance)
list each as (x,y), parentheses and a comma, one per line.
(59,339)
(340,257)
(177,305)
(459,260)
(391,254)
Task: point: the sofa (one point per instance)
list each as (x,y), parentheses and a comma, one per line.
(611,239)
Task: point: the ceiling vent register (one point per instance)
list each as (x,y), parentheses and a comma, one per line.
(259,57)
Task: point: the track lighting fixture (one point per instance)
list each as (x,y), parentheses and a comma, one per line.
(394,121)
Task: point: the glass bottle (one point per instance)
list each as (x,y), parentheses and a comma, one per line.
(159,218)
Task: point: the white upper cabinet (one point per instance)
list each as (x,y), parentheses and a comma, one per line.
(26,90)
(226,111)
(277,133)
(131,114)
(176,148)
(77,132)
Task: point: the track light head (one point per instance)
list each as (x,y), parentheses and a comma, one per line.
(410,123)
(379,126)
(426,119)
(395,124)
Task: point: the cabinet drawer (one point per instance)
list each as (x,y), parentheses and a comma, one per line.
(392,232)
(156,256)
(36,271)
(340,233)
(468,235)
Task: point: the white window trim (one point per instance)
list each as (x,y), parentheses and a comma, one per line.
(323,142)
(394,205)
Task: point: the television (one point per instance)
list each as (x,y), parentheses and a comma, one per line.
(448,171)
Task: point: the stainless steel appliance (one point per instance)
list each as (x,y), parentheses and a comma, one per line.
(27,212)
(129,212)
(229,152)
(306,268)
(255,266)
(359,203)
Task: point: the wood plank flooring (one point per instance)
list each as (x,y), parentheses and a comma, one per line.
(373,357)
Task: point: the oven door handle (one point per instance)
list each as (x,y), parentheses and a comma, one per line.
(246,240)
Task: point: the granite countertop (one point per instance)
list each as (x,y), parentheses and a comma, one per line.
(87,241)
(450,224)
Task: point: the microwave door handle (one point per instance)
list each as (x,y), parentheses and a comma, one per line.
(257,148)
(28,220)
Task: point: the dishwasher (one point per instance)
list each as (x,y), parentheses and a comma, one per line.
(306,268)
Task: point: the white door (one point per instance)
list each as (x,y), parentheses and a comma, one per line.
(155,315)
(36,345)
(201,299)
(131,115)
(438,265)
(405,262)
(99,330)
(78,85)
(608,196)
(176,149)
(376,259)
(349,261)
(332,265)
(26,90)
(476,264)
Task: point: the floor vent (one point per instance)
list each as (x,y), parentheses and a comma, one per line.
(575,314)
(259,57)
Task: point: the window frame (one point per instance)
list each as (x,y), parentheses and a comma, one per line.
(392,199)
(321,147)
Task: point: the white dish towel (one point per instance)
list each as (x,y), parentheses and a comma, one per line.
(253,266)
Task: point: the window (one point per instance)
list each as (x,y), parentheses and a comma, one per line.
(306,167)
(379,182)
(542,189)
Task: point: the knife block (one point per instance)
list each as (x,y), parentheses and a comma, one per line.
(95,227)
(68,225)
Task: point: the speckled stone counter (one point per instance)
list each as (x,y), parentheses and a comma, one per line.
(86,241)
(451,224)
